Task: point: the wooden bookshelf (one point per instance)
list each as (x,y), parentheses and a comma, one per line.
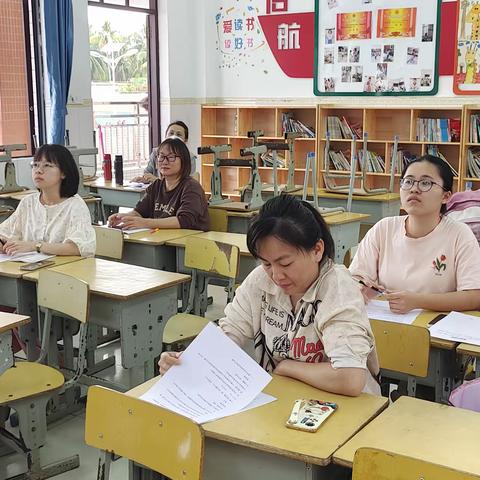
(468,143)
(382,124)
(222,124)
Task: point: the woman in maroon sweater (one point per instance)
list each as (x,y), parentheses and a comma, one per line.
(175,201)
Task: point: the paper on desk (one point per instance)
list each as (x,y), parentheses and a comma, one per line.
(139,185)
(27,257)
(457,327)
(128,231)
(380,310)
(216,378)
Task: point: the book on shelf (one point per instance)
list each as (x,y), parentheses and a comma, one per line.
(267,159)
(404,157)
(339,160)
(375,162)
(434,150)
(438,129)
(475,128)
(291,125)
(342,128)
(473,162)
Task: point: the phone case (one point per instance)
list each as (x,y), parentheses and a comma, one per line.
(36,265)
(308,415)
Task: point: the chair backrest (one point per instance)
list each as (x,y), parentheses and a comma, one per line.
(161,440)
(402,348)
(213,257)
(218,219)
(64,294)
(373,464)
(109,242)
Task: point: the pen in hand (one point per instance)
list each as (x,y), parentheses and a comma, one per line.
(373,288)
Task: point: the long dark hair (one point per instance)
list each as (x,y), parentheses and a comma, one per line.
(178,147)
(292,221)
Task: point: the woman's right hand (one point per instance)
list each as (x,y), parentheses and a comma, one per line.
(115,219)
(167,360)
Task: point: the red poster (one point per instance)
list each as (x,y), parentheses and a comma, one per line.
(354,26)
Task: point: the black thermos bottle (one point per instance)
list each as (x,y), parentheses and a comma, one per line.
(118,166)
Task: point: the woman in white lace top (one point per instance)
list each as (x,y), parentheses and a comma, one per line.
(55,220)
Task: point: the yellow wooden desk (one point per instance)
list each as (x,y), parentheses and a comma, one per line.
(428,431)
(238,220)
(148,249)
(377,206)
(443,363)
(134,300)
(13,198)
(113,195)
(21,296)
(256,444)
(8,321)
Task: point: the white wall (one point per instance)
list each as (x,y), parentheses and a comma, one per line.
(198,72)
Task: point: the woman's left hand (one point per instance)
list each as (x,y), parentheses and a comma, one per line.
(401,302)
(12,247)
(133,222)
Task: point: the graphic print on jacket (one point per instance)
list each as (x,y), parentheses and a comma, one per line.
(288,335)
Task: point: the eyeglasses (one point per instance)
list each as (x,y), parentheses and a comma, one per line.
(424,185)
(169,158)
(42,165)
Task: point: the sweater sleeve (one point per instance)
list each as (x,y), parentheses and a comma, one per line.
(364,265)
(12,227)
(145,206)
(238,320)
(80,231)
(193,207)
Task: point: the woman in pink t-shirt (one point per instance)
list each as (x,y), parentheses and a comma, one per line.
(424,259)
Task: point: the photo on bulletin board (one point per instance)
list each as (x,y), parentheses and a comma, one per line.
(376,47)
(466,80)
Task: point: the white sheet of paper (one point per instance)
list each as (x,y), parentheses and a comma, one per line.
(457,327)
(129,231)
(27,257)
(380,310)
(216,378)
(139,185)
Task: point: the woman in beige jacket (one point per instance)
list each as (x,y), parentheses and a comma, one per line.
(305,314)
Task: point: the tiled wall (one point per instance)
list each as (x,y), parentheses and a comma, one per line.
(14,114)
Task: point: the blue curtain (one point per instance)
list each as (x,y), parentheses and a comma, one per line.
(58,23)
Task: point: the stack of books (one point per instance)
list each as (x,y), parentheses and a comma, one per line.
(291,125)
(375,162)
(473,162)
(438,129)
(342,128)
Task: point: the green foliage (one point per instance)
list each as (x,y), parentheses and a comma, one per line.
(118,58)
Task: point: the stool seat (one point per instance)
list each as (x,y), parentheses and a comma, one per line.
(183,327)
(27,379)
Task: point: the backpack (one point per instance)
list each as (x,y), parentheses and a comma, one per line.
(465,207)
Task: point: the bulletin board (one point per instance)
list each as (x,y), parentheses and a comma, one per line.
(466,79)
(376,47)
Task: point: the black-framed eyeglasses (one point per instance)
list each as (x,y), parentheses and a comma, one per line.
(424,185)
(169,158)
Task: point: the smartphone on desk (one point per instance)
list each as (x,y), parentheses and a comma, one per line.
(308,415)
(30,267)
(436,319)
